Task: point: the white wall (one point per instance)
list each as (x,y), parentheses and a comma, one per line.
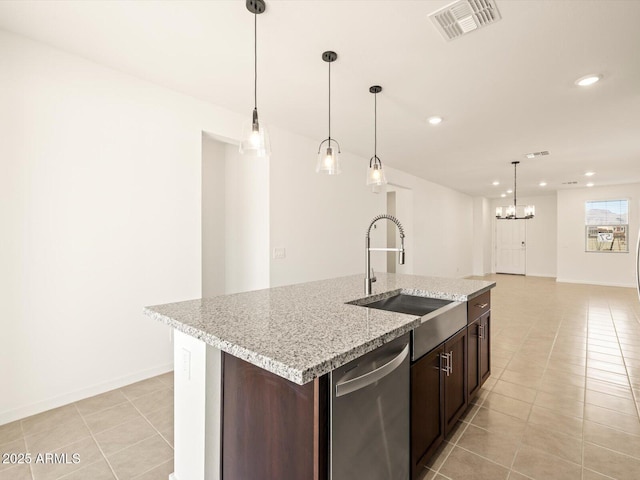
(541,234)
(213,217)
(577,266)
(442,237)
(482,238)
(246,222)
(320,220)
(101,215)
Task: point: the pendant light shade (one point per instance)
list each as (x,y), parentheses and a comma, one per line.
(510,212)
(329,158)
(329,149)
(375,174)
(255,139)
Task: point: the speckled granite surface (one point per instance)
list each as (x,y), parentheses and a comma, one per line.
(303,331)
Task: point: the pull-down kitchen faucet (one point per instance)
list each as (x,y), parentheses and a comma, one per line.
(369,279)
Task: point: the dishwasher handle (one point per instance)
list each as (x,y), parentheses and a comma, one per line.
(349,386)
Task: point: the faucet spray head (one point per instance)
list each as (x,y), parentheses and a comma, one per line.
(401,252)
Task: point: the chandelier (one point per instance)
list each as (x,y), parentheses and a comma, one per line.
(510,212)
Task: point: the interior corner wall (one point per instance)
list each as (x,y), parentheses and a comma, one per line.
(597,268)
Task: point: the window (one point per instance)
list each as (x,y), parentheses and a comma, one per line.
(607,226)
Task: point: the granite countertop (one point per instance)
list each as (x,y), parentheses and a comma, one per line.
(303,331)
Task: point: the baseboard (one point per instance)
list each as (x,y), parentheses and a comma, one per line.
(44,405)
(600,284)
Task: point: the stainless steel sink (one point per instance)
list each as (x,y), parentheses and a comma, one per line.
(440,319)
(411,304)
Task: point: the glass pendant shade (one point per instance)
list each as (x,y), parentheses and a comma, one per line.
(255,139)
(329,149)
(375,174)
(529,211)
(376,177)
(328,159)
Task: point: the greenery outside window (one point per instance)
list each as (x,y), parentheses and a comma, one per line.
(607,226)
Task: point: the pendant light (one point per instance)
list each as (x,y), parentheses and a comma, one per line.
(255,139)
(510,212)
(375,176)
(329,157)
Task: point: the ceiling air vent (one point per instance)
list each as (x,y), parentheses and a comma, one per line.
(536,154)
(464,16)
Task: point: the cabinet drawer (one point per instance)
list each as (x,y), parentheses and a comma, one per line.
(478,306)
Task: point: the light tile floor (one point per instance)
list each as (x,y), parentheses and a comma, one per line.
(563,398)
(562,401)
(124,434)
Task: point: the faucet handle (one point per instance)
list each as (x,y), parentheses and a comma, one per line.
(373,275)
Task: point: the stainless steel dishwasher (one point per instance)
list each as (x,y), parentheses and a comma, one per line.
(369,413)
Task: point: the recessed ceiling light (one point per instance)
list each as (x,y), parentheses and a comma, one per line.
(496,183)
(503,195)
(589,174)
(509,191)
(435,120)
(543,184)
(590,184)
(588,80)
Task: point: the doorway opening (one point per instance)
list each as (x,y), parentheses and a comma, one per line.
(235,219)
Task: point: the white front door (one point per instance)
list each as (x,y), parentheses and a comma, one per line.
(511,246)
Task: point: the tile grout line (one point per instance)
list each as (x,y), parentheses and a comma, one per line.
(24,441)
(521,440)
(97,444)
(626,369)
(153,426)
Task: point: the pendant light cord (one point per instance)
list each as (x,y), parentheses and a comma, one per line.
(375,125)
(255,61)
(329,103)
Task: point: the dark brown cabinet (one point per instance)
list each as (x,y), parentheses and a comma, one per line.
(455,379)
(427,420)
(479,346)
(473,372)
(271,427)
(438,397)
(444,381)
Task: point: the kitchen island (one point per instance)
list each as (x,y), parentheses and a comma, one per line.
(251,369)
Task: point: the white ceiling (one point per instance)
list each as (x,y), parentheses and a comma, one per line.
(503,91)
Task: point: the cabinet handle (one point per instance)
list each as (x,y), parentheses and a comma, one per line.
(444,361)
(481,332)
(482,305)
(450,363)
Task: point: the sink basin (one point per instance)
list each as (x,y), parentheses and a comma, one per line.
(411,304)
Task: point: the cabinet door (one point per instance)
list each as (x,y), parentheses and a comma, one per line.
(473,374)
(485,347)
(455,381)
(427,421)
